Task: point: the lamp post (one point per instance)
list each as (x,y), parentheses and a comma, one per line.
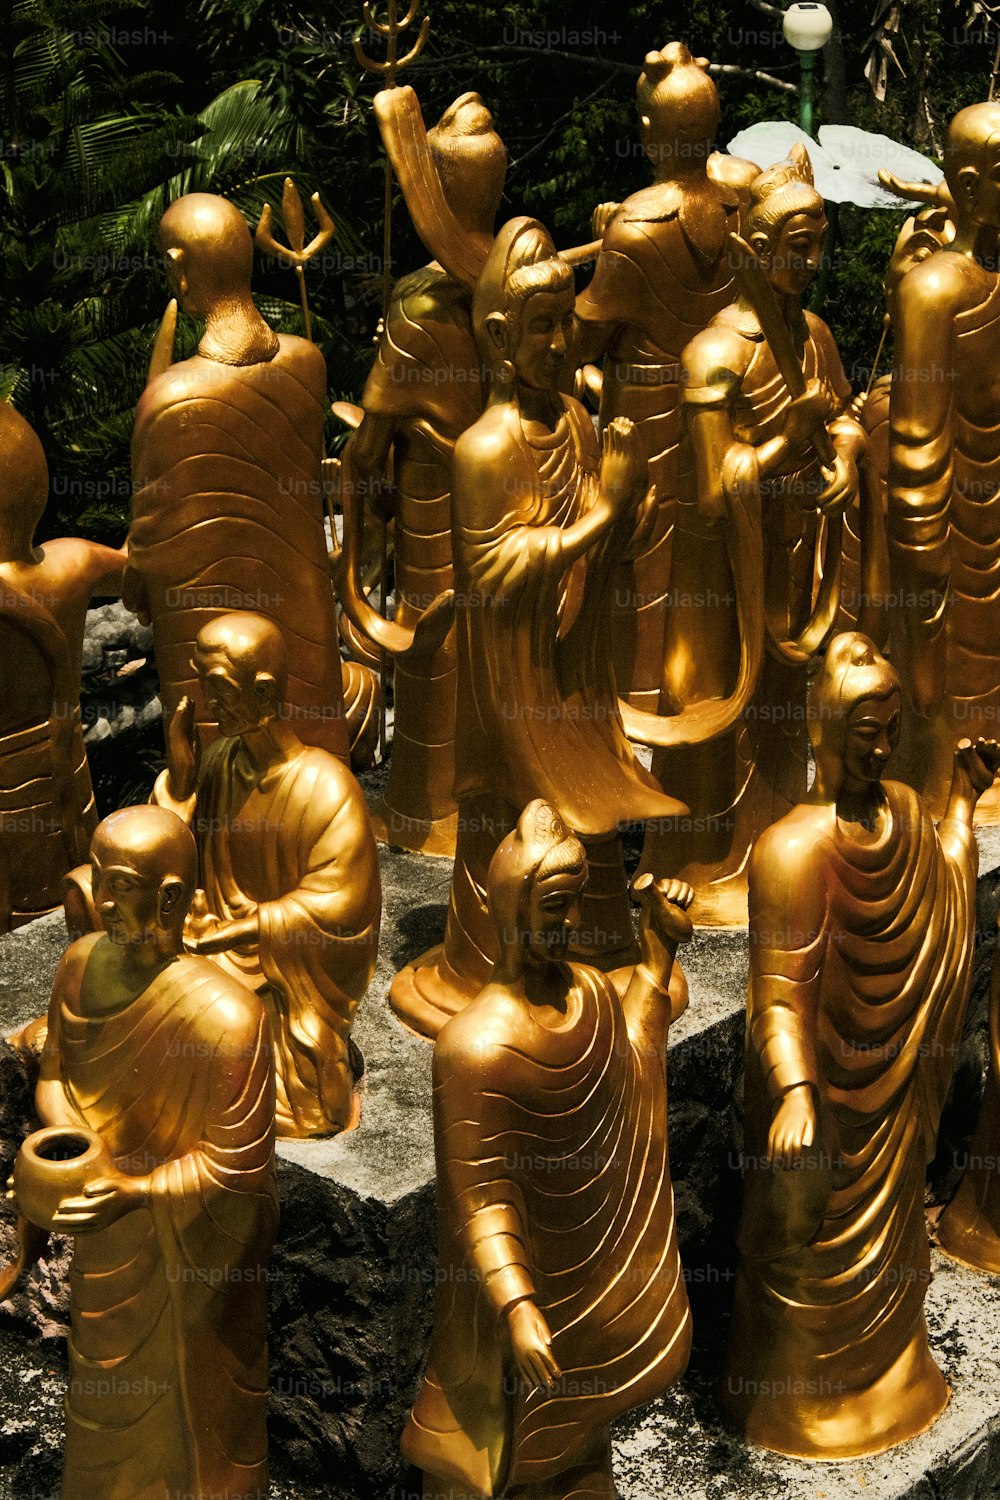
(807,26)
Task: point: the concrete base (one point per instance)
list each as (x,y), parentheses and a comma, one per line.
(353,1273)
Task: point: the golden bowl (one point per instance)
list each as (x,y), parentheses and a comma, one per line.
(57,1163)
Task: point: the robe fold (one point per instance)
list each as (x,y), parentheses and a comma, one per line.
(296,848)
(168,1355)
(553,1183)
(829,1354)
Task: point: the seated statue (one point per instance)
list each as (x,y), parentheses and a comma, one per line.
(540,521)
(862,919)
(164,1064)
(663,272)
(944,471)
(47,810)
(290,900)
(227,455)
(560,1300)
(798,460)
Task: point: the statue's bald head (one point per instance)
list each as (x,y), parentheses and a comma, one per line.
(247,651)
(24,482)
(208,248)
(971,152)
(158,849)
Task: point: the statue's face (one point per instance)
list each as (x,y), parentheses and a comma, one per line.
(553,916)
(795,253)
(871,733)
(543,339)
(986,193)
(126,898)
(233,702)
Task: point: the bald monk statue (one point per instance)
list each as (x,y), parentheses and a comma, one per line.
(560,1299)
(168,1061)
(290,899)
(862,923)
(944,473)
(227,455)
(426,387)
(47,810)
(663,272)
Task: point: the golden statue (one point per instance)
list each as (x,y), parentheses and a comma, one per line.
(560,1298)
(156,1088)
(227,456)
(663,272)
(944,472)
(425,388)
(766,427)
(540,522)
(47,811)
(862,920)
(290,899)
(969,1228)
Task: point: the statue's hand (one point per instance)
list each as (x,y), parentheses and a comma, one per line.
(807,412)
(841,488)
(531,1343)
(977,764)
(183,751)
(623,468)
(102,1202)
(645,522)
(225,935)
(601,217)
(793,1128)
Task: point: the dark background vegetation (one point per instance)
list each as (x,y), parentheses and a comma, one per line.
(110,109)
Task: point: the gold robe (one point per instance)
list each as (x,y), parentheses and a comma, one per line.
(553,1183)
(858,988)
(295,847)
(167,1352)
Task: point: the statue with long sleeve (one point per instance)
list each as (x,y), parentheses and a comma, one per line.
(771,458)
(156,1096)
(47,810)
(540,522)
(560,1300)
(425,388)
(862,924)
(944,472)
(663,272)
(227,454)
(290,900)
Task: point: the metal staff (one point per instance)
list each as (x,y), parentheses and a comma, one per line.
(293,254)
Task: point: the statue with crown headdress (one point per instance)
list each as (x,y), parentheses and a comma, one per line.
(426,387)
(541,520)
(663,272)
(560,1298)
(47,809)
(767,436)
(862,924)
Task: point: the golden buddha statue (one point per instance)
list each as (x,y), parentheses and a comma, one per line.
(227,455)
(663,272)
(47,811)
(290,899)
(156,1076)
(862,920)
(425,388)
(797,461)
(969,1228)
(944,473)
(540,520)
(560,1300)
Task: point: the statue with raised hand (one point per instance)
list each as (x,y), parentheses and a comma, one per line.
(560,1300)
(156,1095)
(862,924)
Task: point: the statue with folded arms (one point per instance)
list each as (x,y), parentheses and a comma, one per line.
(157,1097)
(560,1300)
(862,919)
(47,810)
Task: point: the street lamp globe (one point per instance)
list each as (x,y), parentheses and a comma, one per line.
(807,26)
